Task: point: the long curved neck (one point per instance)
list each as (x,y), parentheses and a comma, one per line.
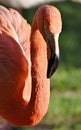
(40,83)
(37,107)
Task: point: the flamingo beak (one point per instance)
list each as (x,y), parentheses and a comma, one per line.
(53,60)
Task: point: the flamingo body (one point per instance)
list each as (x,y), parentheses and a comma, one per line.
(25,53)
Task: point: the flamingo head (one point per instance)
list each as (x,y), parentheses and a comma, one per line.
(50,24)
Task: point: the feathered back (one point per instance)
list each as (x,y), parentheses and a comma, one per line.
(14,45)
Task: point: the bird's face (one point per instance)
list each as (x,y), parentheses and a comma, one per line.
(52,28)
(48,21)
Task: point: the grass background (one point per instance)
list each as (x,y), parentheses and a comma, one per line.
(64,111)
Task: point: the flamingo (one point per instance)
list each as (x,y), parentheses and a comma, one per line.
(29,56)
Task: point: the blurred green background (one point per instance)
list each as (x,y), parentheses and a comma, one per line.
(64,111)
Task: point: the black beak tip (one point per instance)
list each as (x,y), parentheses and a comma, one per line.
(52,65)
